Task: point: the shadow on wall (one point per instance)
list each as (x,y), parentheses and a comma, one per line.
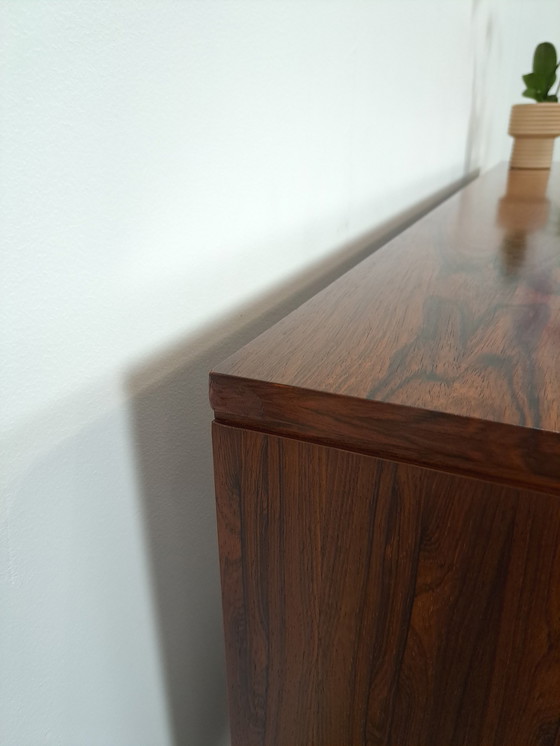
(171,430)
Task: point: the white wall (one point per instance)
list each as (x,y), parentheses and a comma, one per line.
(175,177)
(505,34)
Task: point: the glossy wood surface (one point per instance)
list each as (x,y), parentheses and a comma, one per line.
(523,457)
(457,319)
(373,603)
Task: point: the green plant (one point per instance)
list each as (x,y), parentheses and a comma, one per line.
(540,81)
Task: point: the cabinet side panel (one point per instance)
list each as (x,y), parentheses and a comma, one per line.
(482,658)
(374,603)
(246,641)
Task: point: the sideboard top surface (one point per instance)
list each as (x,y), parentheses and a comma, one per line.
(458,314)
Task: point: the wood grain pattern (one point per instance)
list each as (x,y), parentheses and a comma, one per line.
(373,603)
(526,457)
(458,316)
(389,493)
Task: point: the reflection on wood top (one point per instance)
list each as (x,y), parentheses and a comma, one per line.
(459,315)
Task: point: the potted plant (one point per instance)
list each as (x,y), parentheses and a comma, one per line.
(534,126)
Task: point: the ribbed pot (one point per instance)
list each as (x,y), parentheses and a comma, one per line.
(534,127)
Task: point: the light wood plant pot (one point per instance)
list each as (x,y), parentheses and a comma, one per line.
(534,127)
(525,206)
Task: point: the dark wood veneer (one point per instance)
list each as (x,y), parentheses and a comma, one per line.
(464,445)
(452,316)
(373,603)
(387,464)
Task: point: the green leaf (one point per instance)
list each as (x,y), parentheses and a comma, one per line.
(552,99)
(545,59)
(537,81)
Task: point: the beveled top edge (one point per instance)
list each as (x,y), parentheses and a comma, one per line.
(492,451)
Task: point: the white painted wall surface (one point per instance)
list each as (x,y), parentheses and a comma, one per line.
(505,34)
(175,176)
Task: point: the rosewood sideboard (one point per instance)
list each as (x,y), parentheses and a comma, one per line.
(387,470)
